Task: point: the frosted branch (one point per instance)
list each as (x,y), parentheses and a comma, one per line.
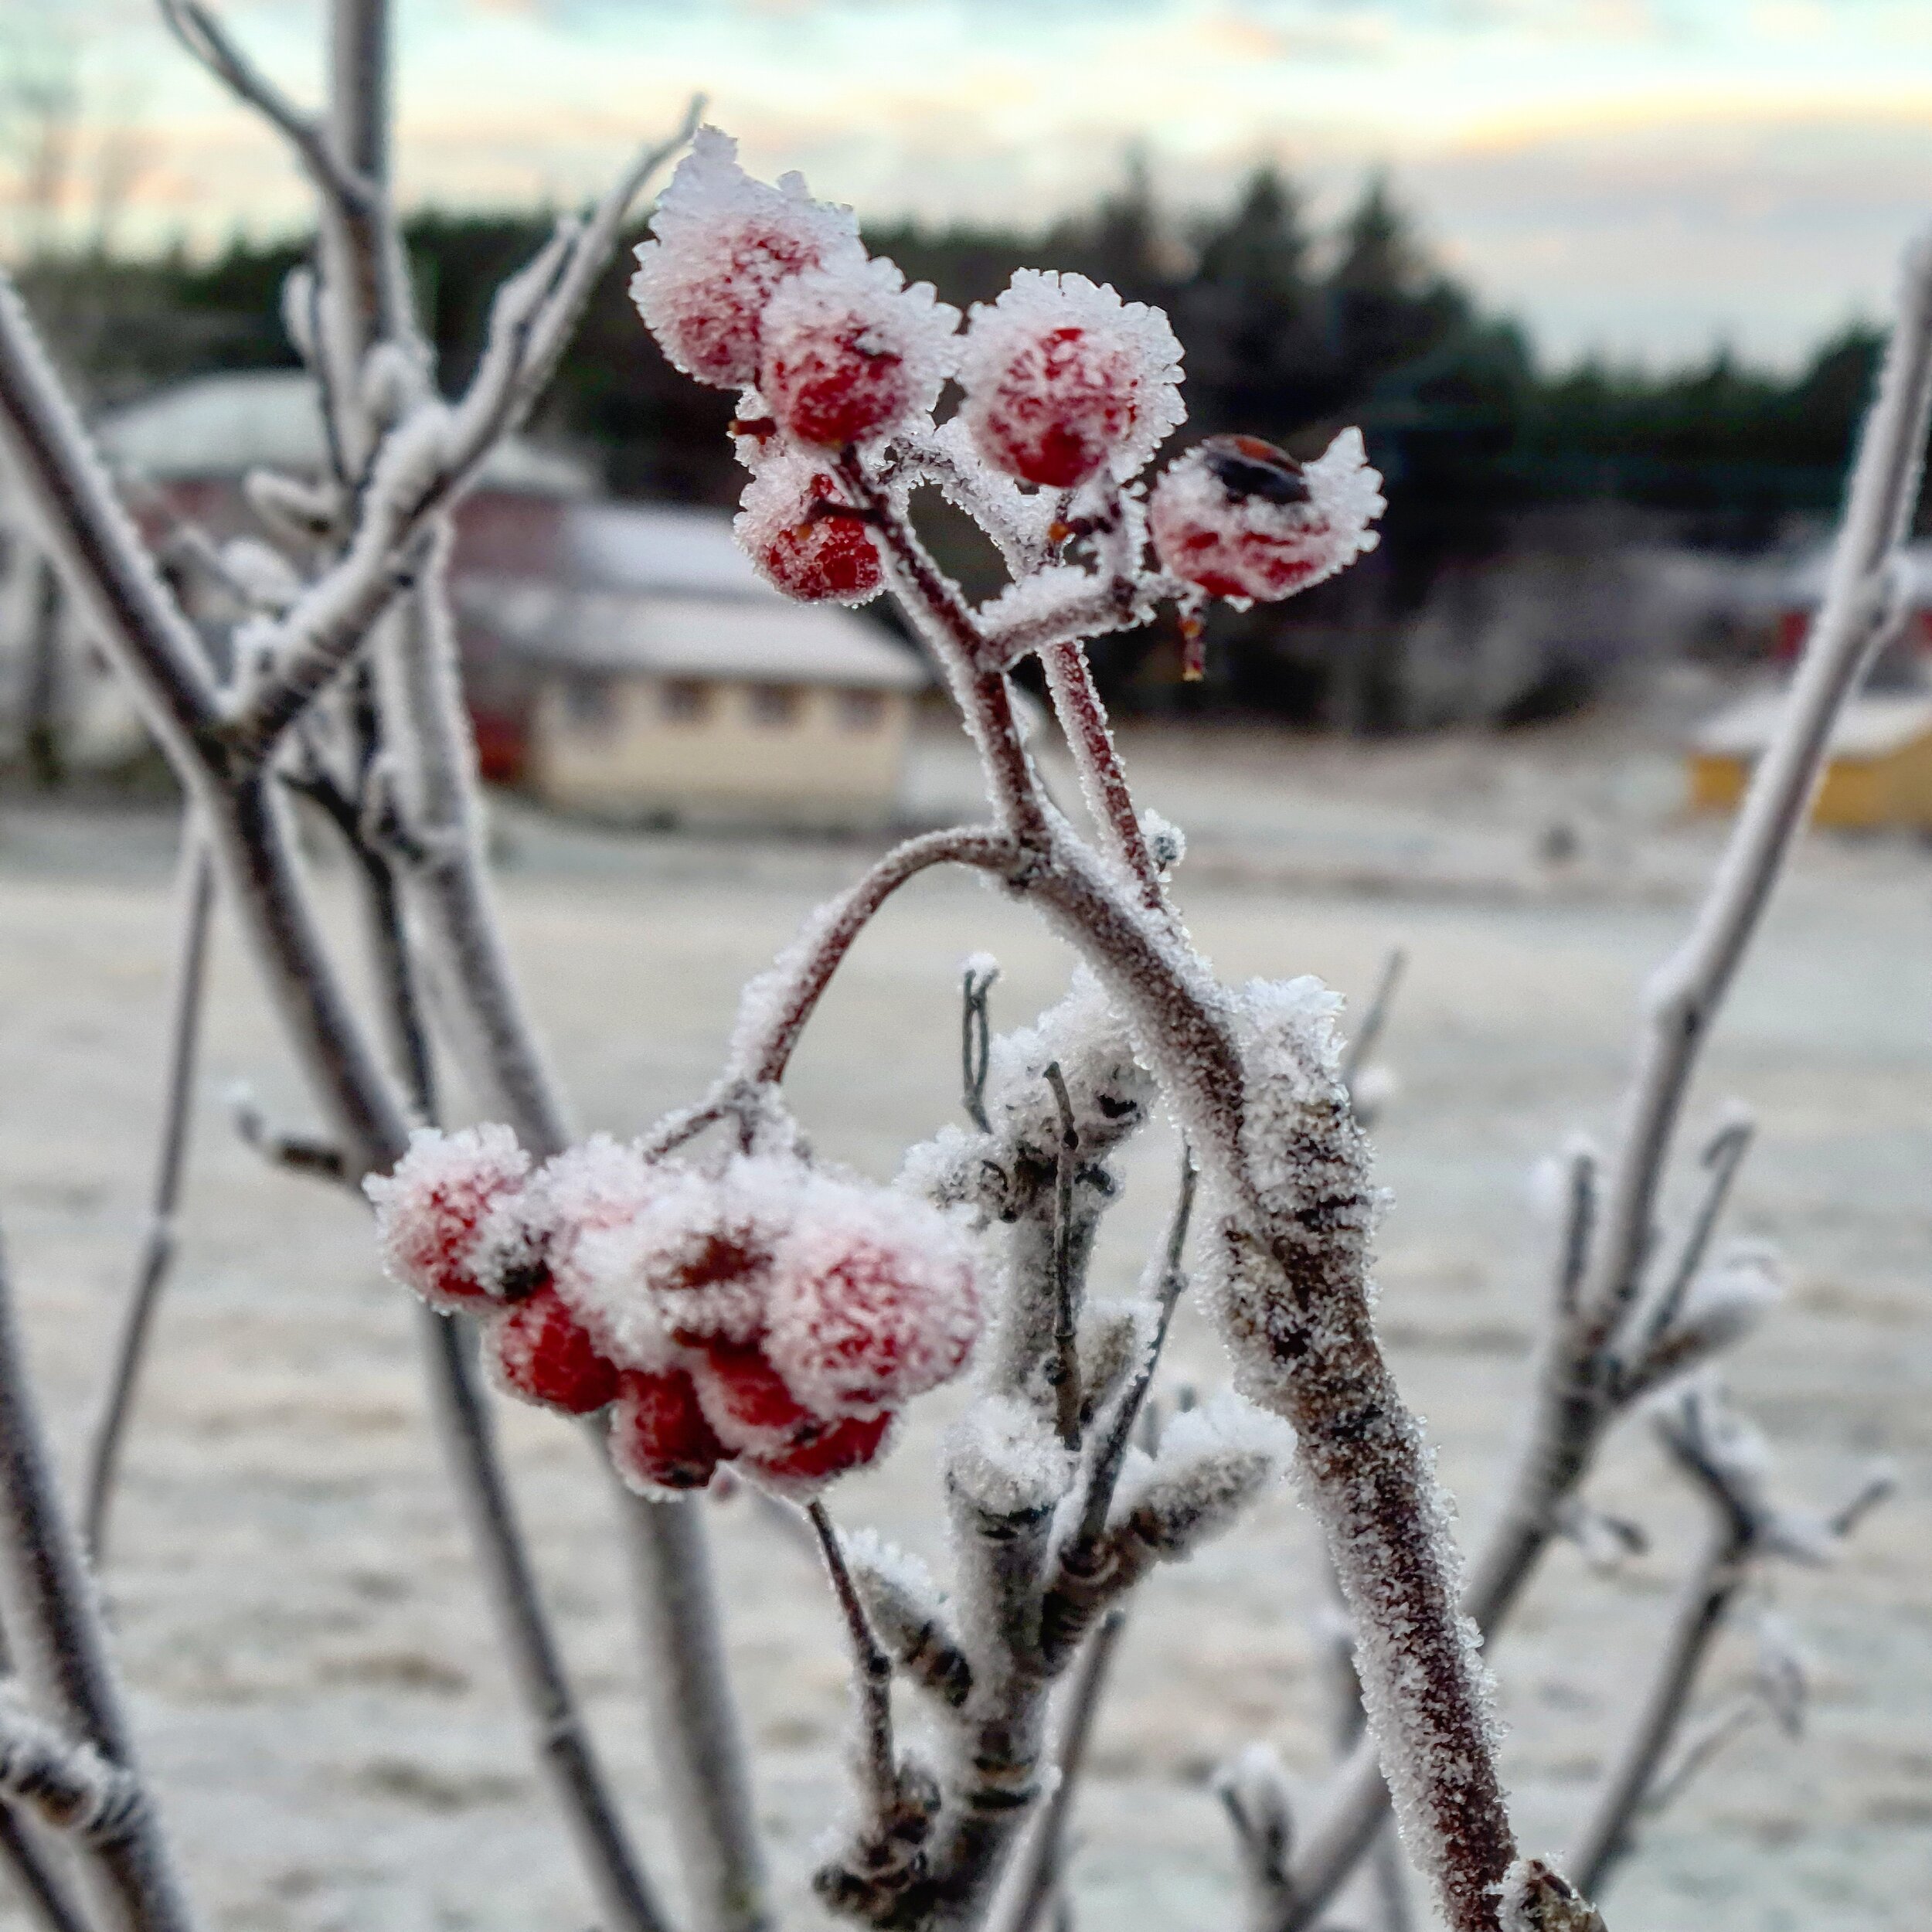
(1573,1396)
(775,1007)
(1727,1464)
(886,1849)
(70,1786)
(1039,1873)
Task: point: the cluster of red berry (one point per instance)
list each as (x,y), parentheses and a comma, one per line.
(761,1312)
(764,290)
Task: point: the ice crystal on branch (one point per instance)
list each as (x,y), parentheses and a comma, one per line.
(1062,380)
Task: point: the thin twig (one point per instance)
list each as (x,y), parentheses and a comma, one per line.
(1363,1043)
(975,1043)
(197,897)
(872,1669)
(1723,1156)
(1065,1369)
(1170,1284)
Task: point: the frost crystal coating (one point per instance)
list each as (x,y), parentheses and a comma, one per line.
(721,242)
(1063,378)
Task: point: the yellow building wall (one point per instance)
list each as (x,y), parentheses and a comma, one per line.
(614,747)
(1894,790)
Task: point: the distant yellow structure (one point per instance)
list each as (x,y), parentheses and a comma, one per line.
(1878,766)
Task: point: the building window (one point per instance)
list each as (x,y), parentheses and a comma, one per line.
(590,703)
(684,701)
(861,710)
(775,704)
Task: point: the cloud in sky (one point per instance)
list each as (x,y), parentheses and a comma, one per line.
(1643,175)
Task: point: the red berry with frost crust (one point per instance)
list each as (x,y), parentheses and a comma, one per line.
(848,355)
(1243,519)
(447,1219)
(816,558)
(537,1349)
(659,1438)
(721,244)
(745,1399)
(814,1459)
(1063,379)
(874,1300)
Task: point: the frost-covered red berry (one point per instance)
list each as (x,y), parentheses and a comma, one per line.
(806,1464)
(1243,519)
(659,1438)
(746,1399)
(848,354)
(447,1219)
(1063,379)
(873,1301)
(817,559)
(537,1349)
(721,243)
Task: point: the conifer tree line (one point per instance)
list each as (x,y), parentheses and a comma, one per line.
(1288,326)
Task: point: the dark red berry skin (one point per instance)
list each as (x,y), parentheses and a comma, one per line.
(659,1438)
(827,1451)
(540,1352)
(828,556)
(745,1398)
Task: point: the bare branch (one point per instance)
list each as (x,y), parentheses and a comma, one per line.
(774,1008)
(1070,683)
(1573,1404)
(1859,610)
(60,1645)
(214,49)
(1726,1463)
(197,896)
(1361,1043)
(975,1041)
(301,1153)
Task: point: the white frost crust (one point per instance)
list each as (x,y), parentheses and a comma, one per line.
(721,242)
(891,318)
(785,484)
(1212,1461)
(1109,1088)
(1264,549)
(434,1214)
(996,367)
(874,1298)
(1004,1457)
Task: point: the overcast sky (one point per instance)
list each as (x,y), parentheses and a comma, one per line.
(1643,177)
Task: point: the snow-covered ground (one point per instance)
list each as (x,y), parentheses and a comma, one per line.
(317,1683)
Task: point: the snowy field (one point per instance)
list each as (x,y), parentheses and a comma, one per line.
(316,1681)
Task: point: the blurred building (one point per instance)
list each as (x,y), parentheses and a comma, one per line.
(654,675)
(1878,768)
(621,659)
